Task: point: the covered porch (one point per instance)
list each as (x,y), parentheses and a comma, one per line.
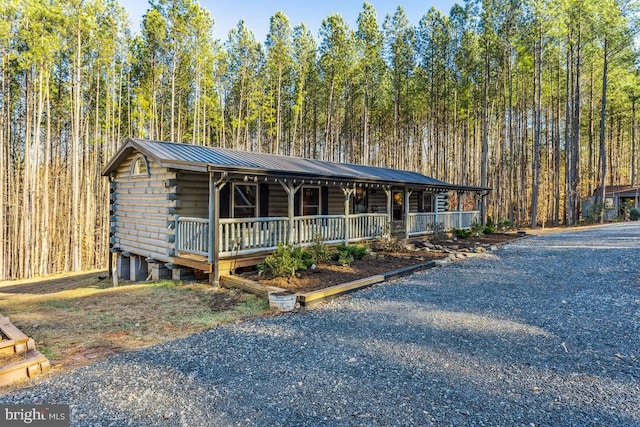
(218,242)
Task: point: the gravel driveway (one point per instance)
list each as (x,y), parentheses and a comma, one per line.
(542,332)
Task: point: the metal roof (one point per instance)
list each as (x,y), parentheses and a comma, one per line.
(198,157)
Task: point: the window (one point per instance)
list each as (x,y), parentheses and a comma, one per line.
(427,202)
(245,200)
(310,200)
(140,167)
(360,204)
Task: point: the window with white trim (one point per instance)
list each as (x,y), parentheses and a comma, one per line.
(139,166)
(310,200)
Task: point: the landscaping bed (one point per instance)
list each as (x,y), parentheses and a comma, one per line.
(378,262)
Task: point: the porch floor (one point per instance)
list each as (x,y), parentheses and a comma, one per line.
(227,265)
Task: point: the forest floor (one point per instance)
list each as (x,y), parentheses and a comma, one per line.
(378,262)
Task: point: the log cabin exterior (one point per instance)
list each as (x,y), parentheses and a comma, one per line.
(180,205)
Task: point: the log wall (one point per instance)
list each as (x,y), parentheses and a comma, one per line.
(142,209)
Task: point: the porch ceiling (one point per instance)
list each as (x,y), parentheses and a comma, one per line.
(200,158)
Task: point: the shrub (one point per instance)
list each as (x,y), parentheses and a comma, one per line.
(357,251)
(285,261)
(349,253)
(504,224)
(437,231)
(345,258)
(461,233)
(489,226)
(389,244)
(477,230)
(319,251)
(634,214)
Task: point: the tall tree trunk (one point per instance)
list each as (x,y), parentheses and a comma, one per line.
(537,89)
(603,111)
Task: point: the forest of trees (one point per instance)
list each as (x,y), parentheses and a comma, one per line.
(533,98)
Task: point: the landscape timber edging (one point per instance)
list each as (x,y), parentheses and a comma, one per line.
(309,299)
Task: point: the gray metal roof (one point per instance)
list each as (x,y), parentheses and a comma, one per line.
(179,155)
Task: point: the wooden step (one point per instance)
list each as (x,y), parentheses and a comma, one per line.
(30,361)
(33,364)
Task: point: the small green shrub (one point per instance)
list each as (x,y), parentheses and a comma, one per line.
(345,258)
(461,233)
(477,230)
(504,224)
(634,214)
(489,226)
(357,251)
(319,251)
(285,261)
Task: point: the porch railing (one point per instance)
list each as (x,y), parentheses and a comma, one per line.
(192,235)
(329,227)
(242,235)
(368,226)
(422,222)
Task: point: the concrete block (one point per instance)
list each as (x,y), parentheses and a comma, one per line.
(124,267)
(139,268)
(182,273)
(159,271)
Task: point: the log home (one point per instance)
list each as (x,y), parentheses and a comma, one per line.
(181,206)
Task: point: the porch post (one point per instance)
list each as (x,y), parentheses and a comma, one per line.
(436,205)
(347,226)
(407,208)
(291,192)
(212,206)
(459,210)
(387,191)
(214,224)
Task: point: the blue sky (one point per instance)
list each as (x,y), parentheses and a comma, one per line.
(256,13)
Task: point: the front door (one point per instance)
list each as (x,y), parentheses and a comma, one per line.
(398,204)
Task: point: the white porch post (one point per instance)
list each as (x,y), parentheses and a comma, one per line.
(387,191)
(214,224)
(347,194)
(436,207)
(459,210)
(406,207)
(212,205)
(291,193)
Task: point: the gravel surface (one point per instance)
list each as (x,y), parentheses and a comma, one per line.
(544,331)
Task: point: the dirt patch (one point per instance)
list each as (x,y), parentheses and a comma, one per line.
(331,274)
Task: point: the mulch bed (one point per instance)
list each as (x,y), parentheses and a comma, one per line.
(326,275)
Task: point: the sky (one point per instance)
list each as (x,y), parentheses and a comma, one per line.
(256,13)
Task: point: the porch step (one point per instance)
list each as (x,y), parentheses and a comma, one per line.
(25,360)
(33,364)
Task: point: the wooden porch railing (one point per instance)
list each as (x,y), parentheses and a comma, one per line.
(243,236)
(368,226)
(192,235)
(421,223)
(329,227)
